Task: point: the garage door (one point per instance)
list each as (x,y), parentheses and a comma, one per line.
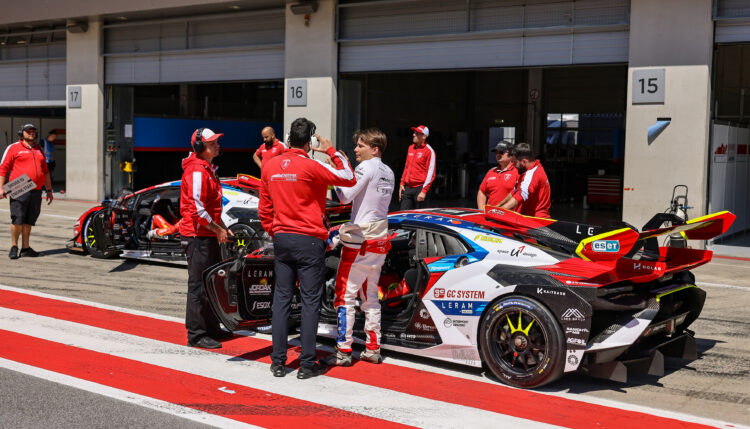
(222,47)
(456,34)
(732,21)
(32,68)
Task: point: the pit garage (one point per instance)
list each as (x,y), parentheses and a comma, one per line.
(549,73)
(214,66)
(729,165)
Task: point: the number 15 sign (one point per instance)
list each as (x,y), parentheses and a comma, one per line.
(648,86)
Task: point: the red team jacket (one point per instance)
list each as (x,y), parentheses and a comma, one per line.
(200,197)
(533,192)
(293,192)
(264,153)
(420,167)
(18,160)
(497,184)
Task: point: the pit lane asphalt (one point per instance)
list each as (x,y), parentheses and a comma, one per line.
(716,385)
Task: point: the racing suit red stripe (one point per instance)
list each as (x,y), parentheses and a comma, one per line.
(19,159)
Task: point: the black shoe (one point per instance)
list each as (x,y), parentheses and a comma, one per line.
(205,343)
(222,335)
(278,370)
(317,369)
(13,254)
(28,253)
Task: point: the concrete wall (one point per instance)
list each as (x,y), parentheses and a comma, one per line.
(84,125)
(311,53)
(684,31)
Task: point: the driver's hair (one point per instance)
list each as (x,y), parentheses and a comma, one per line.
(372,137)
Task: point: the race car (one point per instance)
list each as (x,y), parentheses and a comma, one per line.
(529,298)
(143,225)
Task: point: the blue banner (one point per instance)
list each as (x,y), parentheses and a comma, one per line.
(171,134)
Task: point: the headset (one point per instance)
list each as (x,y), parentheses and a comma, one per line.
(199,146)
(20,131)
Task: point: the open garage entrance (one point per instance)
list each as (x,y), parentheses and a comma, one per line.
(574,116)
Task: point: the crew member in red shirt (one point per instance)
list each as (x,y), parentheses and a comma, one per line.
(419,172)
(292,210)
(500,180)
(202,230)
(532,191)
(25,157)
(271,147)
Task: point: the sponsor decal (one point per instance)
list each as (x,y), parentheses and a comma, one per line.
(497,212)
(465,294)
(448,322)
(284,177)
(521,251)
(504,304)
(260,273)
(589,231)
(260,289)
(606,246)
(439,293)
(517,251)
(576,331)
(438,267)
(491,239)
(425,327)
(232,193)
(573,314)
(542,291)
(464,355)
(572,359)
(261,305)
(424,314)
(576,341)
(577,283)
(643,266)
(466,308)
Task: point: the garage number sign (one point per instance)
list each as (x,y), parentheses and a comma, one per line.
(296,92)
(648,86)
(74,97)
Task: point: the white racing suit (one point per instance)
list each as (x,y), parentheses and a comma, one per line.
(365,245)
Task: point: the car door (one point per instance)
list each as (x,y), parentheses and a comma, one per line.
(240,291)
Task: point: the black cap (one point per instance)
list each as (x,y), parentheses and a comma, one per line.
(28,127)
(502,146)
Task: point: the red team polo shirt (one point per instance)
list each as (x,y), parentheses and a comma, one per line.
(19,159)
(264,153)
(533,192)
(497,184)
(420,167)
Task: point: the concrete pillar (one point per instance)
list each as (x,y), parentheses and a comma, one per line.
(676,36)
(84,125)
(311,53)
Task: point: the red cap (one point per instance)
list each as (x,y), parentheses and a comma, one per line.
(422,129)
(206,135)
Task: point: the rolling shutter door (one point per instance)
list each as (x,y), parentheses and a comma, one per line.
(732,21)
(200,49)
(453,34)
(32,69)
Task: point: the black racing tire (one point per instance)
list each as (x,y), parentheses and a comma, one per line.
(248,237)
(527,353)
(88,239)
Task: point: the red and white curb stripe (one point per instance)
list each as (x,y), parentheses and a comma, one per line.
(141,358)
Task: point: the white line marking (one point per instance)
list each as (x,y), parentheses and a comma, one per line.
(50,215)
(436,369)
(372,401)
(125,396)
(722,285)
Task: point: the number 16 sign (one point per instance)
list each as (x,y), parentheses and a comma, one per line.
(648,86)
(296,92)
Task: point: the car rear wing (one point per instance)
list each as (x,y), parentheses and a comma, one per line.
(602,245)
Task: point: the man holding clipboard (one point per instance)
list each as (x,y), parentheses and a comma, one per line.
(24,158)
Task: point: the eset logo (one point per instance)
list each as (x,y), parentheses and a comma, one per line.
(439,293)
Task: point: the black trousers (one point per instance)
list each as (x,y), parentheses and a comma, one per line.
(297,256)
(201,252)
(409,198)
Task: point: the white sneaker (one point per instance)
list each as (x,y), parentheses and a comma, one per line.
(372,356)
(339,358)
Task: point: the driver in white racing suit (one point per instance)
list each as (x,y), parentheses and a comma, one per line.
(365,245)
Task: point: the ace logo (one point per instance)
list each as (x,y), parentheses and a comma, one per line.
(439,293)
